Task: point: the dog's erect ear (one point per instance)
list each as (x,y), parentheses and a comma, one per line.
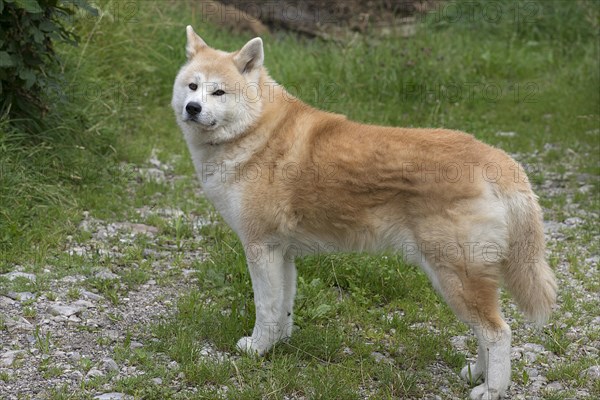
(194,42)
(250,57)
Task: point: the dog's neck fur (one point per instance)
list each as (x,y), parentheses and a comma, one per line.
(276,107)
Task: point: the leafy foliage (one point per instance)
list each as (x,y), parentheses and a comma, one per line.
(28,31)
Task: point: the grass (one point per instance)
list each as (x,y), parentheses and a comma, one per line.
(536,75)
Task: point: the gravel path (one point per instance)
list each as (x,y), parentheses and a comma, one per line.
(67,331)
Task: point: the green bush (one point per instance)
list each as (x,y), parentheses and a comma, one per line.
(29,30)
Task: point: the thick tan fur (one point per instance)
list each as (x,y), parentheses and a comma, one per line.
(300,177)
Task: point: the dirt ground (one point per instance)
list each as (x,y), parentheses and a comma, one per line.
(331,20)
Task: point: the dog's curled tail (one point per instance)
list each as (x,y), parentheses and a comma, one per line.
(526,273)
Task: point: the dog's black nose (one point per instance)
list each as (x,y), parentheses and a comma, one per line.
(193,108)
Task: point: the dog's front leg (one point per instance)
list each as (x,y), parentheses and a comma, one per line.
(269,282)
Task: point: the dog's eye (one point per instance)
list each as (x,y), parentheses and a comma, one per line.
(218,93)
(193,86)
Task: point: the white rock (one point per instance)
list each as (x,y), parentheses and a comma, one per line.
(112,334)
(94,373)
(84,303)
(11,276)
(135,345)
(506,134)
(534,347)
(6,301)
(153,175)
(7,358)
(73,278)
(157,381)
(592,372)
(110,365)
(532,372)
(138,228)
(573,221)
(187,272)
(65,311)
(106,274)
(91,296)
(77,251)
(20,324)
(74,356)
(74,318)
(76,375)
(530,357)
(111,396)
(459,342)
(380,357)
(554,386)
(21,296)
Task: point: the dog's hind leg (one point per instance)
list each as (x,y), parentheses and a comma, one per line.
(472,293)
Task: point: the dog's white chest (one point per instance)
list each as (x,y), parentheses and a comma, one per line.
(223,191)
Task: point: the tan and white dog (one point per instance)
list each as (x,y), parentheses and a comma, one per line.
(290,180)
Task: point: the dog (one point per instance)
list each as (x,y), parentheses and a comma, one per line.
(292,180)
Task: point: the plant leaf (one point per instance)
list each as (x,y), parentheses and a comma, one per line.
(6,60)
(31,6)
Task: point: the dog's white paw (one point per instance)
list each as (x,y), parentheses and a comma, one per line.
(483,392)
(251,346)
(470,374)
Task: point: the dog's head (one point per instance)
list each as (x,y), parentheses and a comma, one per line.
(217,95)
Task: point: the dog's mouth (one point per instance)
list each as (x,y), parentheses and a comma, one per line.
(210,124)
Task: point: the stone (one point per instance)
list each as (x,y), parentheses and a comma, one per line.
(18,325)
(65,311)
(157,381)
(74,319)
(75,356)
(77,251)
(380,357)
(110,365)
(91,296)
(7,358)
(138,228)
(555,386)
(530,357)
(111,396)
(573,221)
(112,334)
(533,347)
(153,175)
(106,274)
(11,276)
(592,373)
(506,134)
(6,301)
(72,278)
(173,365)
(532,372)
(84,304)
(459,342)
(21,296)
(94,373)
(135,345)
(76,375)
